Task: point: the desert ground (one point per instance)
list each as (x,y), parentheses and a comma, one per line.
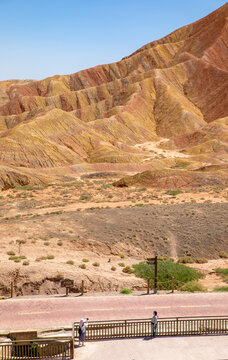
(88,229)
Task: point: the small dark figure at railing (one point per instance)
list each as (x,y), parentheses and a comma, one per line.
(154,323)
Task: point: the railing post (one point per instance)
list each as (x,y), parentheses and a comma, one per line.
(125,328)
(148,286)
(177,326)
(72,348)
(172,284)
(12,288)
(82,288)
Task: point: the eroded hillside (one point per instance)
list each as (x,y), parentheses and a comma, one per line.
(170,94)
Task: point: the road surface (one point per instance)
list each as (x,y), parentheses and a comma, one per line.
(46,312)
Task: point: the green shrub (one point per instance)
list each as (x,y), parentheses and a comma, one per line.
(17,260)
(223,255)
(201,260)
(128,270)
(122,256)
(85,260)
(110,196)
(113,268)
(221,288)
(121,264)
(70,262)
(193,286)
(96,264)
(125,291)
(186,260)
(223,273)
(10,252)
(173,192)
(41,258)
(26,262)
(46,243)
(60,243)
(50,257)
(84,197)
(139,204)
(143,189)
(166,271)
(82,266)
(22,257)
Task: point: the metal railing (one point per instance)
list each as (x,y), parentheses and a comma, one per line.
(62,348)
(172,326)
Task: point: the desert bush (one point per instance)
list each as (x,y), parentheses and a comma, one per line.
(82,266)
(139,204)
(121,264)
(223,255)
(70,262)
(50,257)
(113,268)
(128,270)
(46,243)
(125,291)
(173,192)
(193,286)
(10,252)
(166,270)
(122,256)
(201,260)
(41,258)
(22,257)
(85,260)
(84,197)
(26,262)
(60,243)
(143,189)
(17,260)
(110,196)
(221,288)
(223,273)
(186,260)
(96,264)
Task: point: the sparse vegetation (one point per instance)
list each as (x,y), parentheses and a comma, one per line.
(223,273)
(193,286)
(10,252)
(200,260)
(60,243)
(186,260)
(121,264)
(173,192)
(85,260)
(82,266)
(166,270)
(26,263)
(221,288)
(113,268)
(84,197)
(70,262)
(125,291)
(128,270)
(122,256)
(223,255)
(139,204)
(46,243)
(97,264)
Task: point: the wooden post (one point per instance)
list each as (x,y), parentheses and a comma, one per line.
(148,286)
(11,292)
(82,290)
(67,291)
(172,284)
(155,274)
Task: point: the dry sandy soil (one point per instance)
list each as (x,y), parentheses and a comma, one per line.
(91,219)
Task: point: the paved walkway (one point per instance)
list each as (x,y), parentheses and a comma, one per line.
(49,312)
(175,348)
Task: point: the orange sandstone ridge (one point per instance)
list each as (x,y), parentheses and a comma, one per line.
(162,107)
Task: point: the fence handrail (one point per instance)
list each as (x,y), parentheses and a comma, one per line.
(170,326)
(46,340)
(159,318)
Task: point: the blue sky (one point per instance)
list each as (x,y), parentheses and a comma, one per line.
(41,38)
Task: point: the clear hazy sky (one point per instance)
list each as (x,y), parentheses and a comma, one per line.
(41,38)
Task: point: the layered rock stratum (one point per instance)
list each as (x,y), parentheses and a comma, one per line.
(164,106)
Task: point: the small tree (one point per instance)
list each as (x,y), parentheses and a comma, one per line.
(20,242)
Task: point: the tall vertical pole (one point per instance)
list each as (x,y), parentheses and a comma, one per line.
(155,274)
(172,284)
(148,286)
(82,287)
(11,292)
